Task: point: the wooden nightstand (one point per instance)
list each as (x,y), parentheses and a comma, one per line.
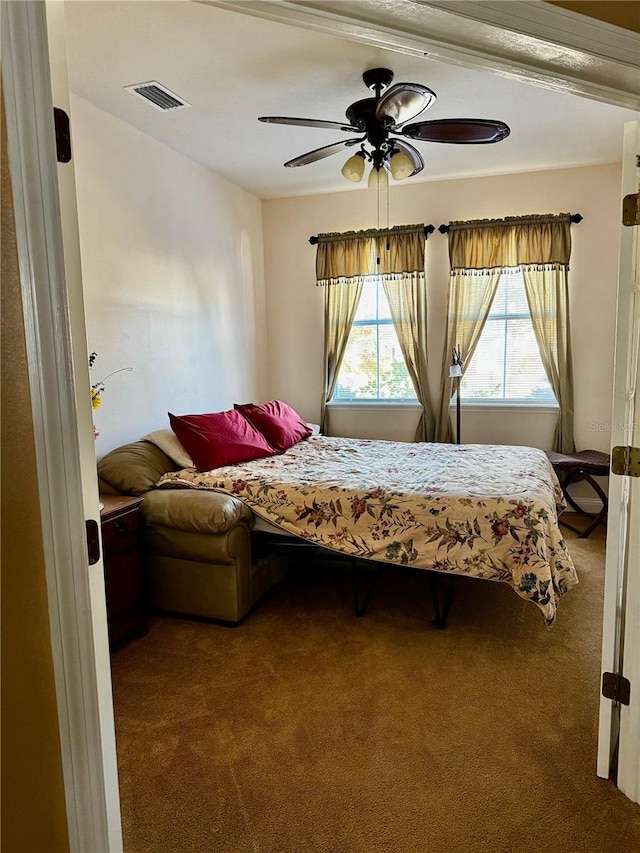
(121,521)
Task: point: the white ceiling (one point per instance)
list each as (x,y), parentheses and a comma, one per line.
(232,68)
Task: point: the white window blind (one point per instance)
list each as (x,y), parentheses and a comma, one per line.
(506,365)
(373,368)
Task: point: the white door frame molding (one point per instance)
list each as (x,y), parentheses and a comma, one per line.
(85,719)
(621,621)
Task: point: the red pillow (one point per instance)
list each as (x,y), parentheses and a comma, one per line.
(281,425)
(221,438)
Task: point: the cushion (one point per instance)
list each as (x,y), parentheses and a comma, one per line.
(134,468)
(168,442)
(219,438)
(281,425)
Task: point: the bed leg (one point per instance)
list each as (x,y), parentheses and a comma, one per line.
(359,606)
(441,615)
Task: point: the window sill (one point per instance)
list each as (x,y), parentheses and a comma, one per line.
(375,405)
(514,408)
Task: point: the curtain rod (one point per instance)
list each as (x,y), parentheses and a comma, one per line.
(428,229)
(574,217)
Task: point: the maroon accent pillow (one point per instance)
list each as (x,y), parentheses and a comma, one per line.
(220,438)
(281,425)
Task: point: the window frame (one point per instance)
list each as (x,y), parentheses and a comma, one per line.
(512,404)
(403,402)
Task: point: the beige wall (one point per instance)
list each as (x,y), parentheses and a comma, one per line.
(294,303)
(173,277)
(33,807)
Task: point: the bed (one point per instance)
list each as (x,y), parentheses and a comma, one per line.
(485,511)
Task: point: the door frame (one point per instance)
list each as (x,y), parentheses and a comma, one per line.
(82,683)
(621,635)
(55,337)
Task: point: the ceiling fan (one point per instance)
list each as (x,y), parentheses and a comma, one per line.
(386,122)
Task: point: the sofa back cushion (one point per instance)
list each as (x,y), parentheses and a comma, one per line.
(134,468)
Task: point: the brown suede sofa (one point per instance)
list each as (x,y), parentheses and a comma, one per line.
(197,545)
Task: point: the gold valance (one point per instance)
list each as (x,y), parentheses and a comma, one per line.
(486,244)
(389,251)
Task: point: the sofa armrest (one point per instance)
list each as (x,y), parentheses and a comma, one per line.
(198,512)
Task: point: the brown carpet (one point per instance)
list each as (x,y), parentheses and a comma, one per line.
(307,730)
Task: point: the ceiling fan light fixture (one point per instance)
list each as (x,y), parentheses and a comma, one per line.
(401,166)
(353,169)
(378,178)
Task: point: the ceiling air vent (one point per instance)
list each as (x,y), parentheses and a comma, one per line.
(158,96)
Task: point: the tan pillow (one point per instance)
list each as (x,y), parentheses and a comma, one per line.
(134,468)
(168,442)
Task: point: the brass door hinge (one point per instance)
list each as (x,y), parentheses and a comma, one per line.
(631,209)
(626,461)
(616,687)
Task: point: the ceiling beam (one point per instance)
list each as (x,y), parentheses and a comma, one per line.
(526,40)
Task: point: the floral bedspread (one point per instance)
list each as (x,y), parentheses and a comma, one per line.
(488,511)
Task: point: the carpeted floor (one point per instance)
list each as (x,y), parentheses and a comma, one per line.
(307,730)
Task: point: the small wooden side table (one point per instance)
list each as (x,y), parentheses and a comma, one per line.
(121,520)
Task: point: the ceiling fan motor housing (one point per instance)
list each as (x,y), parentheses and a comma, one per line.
(362,115)
(377,79)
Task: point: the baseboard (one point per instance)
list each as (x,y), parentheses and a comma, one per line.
(590,505)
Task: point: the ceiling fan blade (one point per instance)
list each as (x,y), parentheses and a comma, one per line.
(412,153)
(308,122)
(404,102)
(460,131)
(320,153)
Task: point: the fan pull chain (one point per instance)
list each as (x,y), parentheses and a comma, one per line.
(388,197)
(378,216)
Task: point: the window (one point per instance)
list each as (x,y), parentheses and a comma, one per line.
(373,367)
(506,365)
